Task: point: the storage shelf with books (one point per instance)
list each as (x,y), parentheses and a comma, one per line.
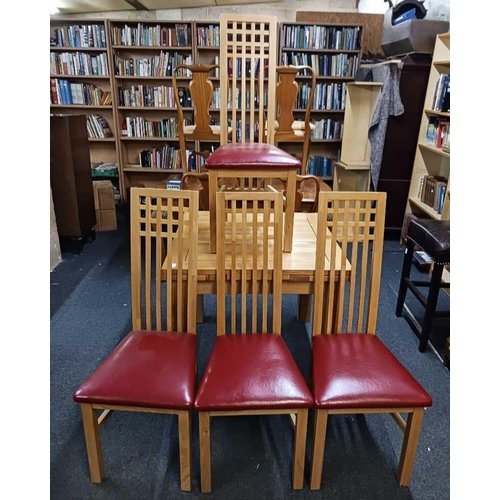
(144,55)
(334,52)
(429,194)
(81,82)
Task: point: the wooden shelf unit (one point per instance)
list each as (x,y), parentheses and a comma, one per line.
(430,160)
(330,148)
(101,150)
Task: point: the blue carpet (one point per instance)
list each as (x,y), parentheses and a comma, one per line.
(251,456)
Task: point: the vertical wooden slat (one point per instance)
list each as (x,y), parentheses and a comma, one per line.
(147,258)
(244,266)
(192,268)
(265,264)
(233,266)
(252,79)
(262,65)
(180,248)
(354,265)
(339,316)
(364,263)
(135,259)
(234,86)
(319,266)
(221,263)
(255,267)
(243,88)
(271,83)
(332,286)
(277,267)
(158,265)
(169,285)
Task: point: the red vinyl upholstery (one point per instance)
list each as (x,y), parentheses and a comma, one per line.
(146,369)
(359,371)
(251,372)
(251,155)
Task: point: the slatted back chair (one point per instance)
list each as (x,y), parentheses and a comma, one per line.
(248,46)
(201,90)
(153,369)
(353,371)
(249,268)
(287,127)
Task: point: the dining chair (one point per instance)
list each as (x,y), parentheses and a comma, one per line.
(248,53)
(201,90)
(250,370)
(353,371)
(153,369)
(287,127)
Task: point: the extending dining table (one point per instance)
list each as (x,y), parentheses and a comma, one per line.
(298,265)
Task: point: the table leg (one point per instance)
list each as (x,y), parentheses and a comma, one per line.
(199,309)
(304,308)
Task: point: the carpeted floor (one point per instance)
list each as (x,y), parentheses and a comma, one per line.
(251,456)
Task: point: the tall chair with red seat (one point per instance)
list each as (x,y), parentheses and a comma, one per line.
(353,371)
(153,369)
(250,373)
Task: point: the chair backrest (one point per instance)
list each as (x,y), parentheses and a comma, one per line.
(248,45)
(164,241)
(286,95)
(351,233)
(249,259)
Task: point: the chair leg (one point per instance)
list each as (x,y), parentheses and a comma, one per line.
(410,442)
(430,309)
(320,421)
(300,449)
(185,449)
(405,273)
(205,467)
(93,442)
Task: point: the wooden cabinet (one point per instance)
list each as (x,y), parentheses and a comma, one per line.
(70,176)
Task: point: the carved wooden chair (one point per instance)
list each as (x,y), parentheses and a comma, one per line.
(353,371)
(287,128)
(250,373)
(201,89)
(153,369)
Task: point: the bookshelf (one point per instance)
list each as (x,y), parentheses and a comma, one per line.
(432,159)
(334,52)
(81,81)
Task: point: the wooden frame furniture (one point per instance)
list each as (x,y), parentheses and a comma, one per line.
(153,369)
(201,89)
(232,384)
(248,47)
(353,371)
(308,189)
(288,129)
(194,181)
(250,163)
(352,172)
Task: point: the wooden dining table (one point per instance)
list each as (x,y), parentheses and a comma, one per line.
(298,265)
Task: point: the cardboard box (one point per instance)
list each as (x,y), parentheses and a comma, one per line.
(106,220)
(104,197)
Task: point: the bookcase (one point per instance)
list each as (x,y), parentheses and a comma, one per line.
(334,52)
(81,82)
(432,157)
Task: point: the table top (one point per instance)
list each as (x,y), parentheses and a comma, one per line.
(298,265)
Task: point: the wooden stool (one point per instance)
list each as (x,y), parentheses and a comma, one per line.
(433,237)
(250,163)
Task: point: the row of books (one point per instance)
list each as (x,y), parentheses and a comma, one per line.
(152,36)
(344,65)
(208,36)
(326,96)
(438,132)
(162,64)
(97,127)
(140,127)
(152,96)
(322,166)
(321,37)
(64,92)
(78,63)
(441,99)
(432,191)
(166,157)
(327,129)
(251,71)
(80,35)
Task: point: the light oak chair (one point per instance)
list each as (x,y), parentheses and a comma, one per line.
(287,128)
(250,373)
(201,90)
(353,371)
(153,369)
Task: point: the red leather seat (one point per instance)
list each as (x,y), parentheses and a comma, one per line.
(146,369)
(251,372)
(359,371)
